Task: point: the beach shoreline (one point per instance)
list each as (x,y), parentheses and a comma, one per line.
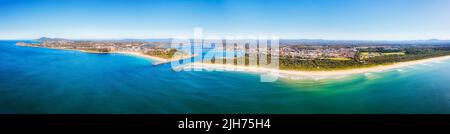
(158,59)
(238,68)
(229,67)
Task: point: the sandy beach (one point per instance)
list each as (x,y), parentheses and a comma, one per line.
(143,56)
(312,73)
(160,60)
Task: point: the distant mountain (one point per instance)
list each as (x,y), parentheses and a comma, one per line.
(42,39)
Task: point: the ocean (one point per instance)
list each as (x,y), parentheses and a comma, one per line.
(40,80)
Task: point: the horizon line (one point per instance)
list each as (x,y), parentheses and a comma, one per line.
(399,40)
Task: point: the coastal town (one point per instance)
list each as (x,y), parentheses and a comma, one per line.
(293,55)
(152,50)
(318,52)
(98,46)
(290,50)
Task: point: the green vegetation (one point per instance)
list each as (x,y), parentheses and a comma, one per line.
(381,58)
(367,55)
(98,50)
(162,53)
(340,59)
(394,53)
(289,63)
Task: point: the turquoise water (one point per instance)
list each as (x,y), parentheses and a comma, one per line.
(40,80)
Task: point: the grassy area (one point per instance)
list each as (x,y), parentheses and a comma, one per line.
(97,50)
(166,54)
(340,59)
(394,53)
(366,55)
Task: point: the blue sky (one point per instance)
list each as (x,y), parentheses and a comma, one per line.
(305,19)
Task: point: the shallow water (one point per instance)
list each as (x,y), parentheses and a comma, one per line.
(40,80)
